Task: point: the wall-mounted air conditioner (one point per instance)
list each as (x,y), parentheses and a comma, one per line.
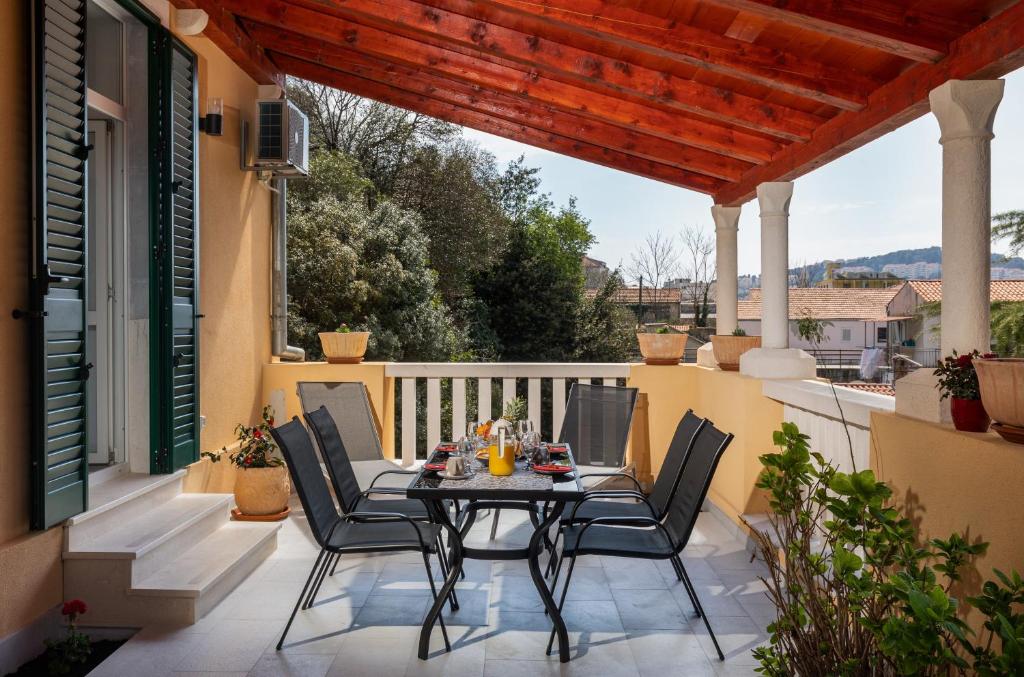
(282,138)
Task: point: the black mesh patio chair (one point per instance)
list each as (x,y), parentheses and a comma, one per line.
(596,428)
(349,406)
(346,486)
(354,532)
(649,537)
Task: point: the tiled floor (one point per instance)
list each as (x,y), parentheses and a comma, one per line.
(625,617)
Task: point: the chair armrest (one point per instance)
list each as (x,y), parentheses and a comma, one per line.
(366,516)
(614,474)
(393,491)
(396,471)
(626,522)
(611,493)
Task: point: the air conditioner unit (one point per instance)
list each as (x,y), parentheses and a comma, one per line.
(282,138)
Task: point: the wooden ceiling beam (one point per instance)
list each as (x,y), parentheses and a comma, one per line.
(426,105)
(228,36)
(511,109)
(459,23)
(989,51)
(692,131)
(879,24)
(619,26)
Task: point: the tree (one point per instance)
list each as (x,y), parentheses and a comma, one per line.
(604,329)
(699,267)
(1008,328)
(654,263)
(1010,226)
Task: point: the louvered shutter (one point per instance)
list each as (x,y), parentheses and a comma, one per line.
(57,270)
(178,247)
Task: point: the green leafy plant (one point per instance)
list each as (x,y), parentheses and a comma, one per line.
(662,330)
(515,410)
(855,593)
(739,332)
(957,377)
(343,329)
(75,647)
(255,445)
(812,330)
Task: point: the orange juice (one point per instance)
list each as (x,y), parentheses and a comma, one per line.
(504,463)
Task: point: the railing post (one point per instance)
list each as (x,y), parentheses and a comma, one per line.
(408,421)
(433,412)
(458,408)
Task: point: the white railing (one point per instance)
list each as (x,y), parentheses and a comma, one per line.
(484,374)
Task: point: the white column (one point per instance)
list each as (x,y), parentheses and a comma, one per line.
(726,227)
(965,110)
(775,359)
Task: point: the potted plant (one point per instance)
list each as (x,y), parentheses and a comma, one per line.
(344,346)
(729,347)
(663,347)
(1001,384)
(958,381)
(261,484)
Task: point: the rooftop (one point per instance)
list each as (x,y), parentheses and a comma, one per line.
(628,295)
(930,291)
(825,303)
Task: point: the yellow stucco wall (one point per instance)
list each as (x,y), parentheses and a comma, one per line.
(949,481)
(734,403)
(283,376)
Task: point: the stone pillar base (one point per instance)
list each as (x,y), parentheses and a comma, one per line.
(778,363)
(706,356)
(917,397)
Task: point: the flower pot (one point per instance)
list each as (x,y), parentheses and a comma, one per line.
(1001,384)
(662,349)
(969,415)
(344,348)
(728,349)
(262,491)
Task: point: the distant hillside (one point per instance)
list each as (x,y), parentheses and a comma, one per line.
(903,256)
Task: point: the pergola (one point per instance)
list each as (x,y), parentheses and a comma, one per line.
(731,98)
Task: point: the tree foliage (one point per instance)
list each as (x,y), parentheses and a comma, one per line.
(1008,328)
(1010,226)
(604,329)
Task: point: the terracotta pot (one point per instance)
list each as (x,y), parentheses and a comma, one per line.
(262,491)
(344,348)
(662,349)
(1001,382)
(969,415)
(728,349)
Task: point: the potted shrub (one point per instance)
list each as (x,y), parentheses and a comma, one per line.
(729,347)
(663,347)
(344,346)
(261,484)
(959,382)
(1001,385)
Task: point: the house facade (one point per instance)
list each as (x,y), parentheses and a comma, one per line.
(107,246)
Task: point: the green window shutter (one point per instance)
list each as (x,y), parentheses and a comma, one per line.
(178,264)
(59,469)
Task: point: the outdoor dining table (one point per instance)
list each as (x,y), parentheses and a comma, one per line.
(524,489)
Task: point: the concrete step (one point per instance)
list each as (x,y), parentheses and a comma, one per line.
(110,503)
(156,535)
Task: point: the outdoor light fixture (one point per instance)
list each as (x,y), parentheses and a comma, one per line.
(213,122)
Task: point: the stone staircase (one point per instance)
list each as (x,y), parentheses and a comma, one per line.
(155,555)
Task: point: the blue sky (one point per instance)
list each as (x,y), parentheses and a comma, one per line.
(879,198)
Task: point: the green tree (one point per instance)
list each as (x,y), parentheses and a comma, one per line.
(1008,328)
(604,329)
(1010,226)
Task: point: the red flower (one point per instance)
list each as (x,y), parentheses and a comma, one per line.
(74,606)
(270,421)
(989,356)
(257,433)
(248,459)
(963,361)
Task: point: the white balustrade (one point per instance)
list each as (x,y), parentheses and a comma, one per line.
(483,373)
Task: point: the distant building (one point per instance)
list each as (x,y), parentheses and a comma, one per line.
(744,283)
(659,305)
(857,277)
(914,271)
(595,273)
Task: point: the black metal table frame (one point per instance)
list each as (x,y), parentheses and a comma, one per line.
(511,499)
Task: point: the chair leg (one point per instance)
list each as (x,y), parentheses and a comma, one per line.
(433,590)
(561,601)
(677,564)
(332,559)
(700,611)
(302,595)
(494,522)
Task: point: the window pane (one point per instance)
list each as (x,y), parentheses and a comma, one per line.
(104,53)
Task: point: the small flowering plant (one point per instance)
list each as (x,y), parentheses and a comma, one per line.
(75,647)
(255,445)
(957,377)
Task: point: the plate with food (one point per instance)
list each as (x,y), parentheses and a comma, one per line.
(553,469)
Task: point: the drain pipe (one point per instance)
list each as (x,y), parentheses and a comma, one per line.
(279,276)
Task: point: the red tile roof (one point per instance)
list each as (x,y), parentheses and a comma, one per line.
(826,303)
(629,295)
(1001,290)
(877,388)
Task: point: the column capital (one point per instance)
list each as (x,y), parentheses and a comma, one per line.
(726,218)
(774,196)
(966,108)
